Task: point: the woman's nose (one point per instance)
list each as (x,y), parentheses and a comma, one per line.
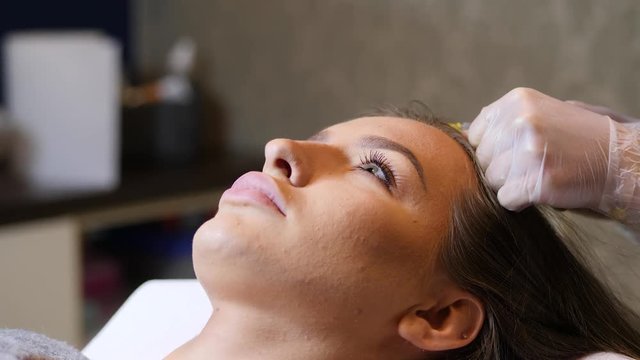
(285,158)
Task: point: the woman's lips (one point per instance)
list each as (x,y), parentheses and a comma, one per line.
(258,188)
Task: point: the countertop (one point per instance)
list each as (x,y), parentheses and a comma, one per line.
(19,202)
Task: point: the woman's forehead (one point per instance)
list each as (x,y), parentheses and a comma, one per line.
(443,159)
(418,136)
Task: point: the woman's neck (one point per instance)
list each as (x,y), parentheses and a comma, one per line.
(246,333)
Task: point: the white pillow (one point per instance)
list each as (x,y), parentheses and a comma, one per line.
(164,314)
(157,318)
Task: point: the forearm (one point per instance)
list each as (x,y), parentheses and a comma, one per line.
(621,195)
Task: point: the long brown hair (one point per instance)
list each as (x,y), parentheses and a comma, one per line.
(541,302)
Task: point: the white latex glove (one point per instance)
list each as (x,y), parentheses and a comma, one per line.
(621,118)
(536,149)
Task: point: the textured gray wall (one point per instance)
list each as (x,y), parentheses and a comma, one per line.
(285,68)
(289,67)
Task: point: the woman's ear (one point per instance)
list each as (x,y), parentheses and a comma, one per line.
(452,322)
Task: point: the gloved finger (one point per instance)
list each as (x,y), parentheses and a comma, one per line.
(603,110)
(499,170)
(478,126)
(485,151)
(513,196)
(501,136)
(499,111)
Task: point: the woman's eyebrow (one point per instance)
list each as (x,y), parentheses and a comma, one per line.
(379,142)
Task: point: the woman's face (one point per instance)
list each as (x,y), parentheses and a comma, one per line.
(347,221)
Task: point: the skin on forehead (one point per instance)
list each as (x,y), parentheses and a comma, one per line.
(445,163)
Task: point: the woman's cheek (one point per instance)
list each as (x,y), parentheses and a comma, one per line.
(361,226)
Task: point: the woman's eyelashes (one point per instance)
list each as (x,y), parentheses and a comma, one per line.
(377,165)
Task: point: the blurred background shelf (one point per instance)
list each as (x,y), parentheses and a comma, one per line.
(19,202)
(66,258)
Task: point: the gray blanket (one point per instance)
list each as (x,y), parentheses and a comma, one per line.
(16,344)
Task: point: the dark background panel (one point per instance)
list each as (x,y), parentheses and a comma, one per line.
(110,16)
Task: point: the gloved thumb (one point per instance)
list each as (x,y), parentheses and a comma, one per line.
(512,196)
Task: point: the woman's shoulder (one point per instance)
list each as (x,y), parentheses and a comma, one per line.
(606,356)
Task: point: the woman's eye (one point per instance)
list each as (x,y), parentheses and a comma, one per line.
(376,171)
(377,165)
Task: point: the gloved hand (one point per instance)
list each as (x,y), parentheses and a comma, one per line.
(536,149)
(602,110)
